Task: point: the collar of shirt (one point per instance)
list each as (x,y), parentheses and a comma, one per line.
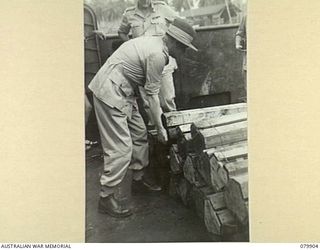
(139,12)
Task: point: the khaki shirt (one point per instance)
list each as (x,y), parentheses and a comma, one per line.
(242,32)
(151,24)
(137,62)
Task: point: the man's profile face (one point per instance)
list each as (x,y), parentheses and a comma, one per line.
(177,50)
(144,3)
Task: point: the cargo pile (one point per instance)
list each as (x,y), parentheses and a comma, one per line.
(209,166)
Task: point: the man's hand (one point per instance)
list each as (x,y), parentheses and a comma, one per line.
(155,112)
(124,37)
(238,43)
(100,34)
(162,135)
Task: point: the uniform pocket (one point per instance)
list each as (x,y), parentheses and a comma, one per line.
(158,25)
(137,29)
(127,89)
(121,82)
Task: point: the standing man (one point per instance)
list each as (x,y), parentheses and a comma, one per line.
(241,44)
(138,62)
(150,18)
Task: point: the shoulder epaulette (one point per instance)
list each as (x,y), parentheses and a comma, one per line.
(158,2)
(132,8)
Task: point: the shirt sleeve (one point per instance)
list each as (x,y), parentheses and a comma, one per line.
(168,13)
(125,25)
(154,66)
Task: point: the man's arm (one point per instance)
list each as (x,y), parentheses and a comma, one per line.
(241,34)
(156,111)
(100,34)
(124,28)
(238,42)
(155,65)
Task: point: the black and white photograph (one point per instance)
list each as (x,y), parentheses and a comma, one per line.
(159,123)
(166,121)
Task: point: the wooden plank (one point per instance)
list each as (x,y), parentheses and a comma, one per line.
(182,129)
(185,145)
(236,197)
(223,129)
(217,200)
(176,162)
(211,219)
(239,144)
(216,221)
(208,173)
(228,222)
(209,166)
(225,217)
(218,121)
(239,184)
(216,181)
(220,136)
(199,196)
(176,133)
(184,189)
(232,153)
(205,168)
(224,153)
(231,169)
(190,170)
(177,118)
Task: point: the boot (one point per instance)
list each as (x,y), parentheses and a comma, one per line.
(150,183)
(109,205)
(145,184)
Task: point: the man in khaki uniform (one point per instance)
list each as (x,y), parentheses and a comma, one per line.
(241,45)
(137,62)
(149,18)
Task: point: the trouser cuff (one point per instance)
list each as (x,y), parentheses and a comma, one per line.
(107,191)
(137,174)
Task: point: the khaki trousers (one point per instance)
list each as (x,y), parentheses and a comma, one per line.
(124,142)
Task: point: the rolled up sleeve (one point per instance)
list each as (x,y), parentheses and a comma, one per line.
(154,66)
(125,25)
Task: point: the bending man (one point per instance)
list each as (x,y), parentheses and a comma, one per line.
(137,62)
